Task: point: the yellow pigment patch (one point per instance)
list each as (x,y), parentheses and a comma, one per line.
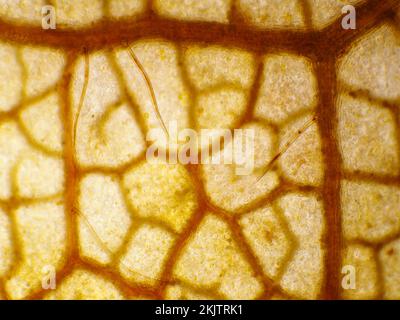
(161,191)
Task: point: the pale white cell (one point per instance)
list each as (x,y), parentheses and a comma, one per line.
(288,86)
(104,219)
(272,13)
(107,132)
(25,11)
(301,158)
(367,137)
(159,62)
(373,64)
(43,67)
(231,189)
(324,12)
(205,10)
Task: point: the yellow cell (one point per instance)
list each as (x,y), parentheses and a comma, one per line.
(390,260)
(10,77)
(73,14)
(25,11)
(161,191)
(6,244)
(367,137)
(12,145)
(83,284)
(146,255)
(371,211)
(42,121)
(126,8)
(269,239)
(38,175)
(209,66)
(42,235)
(182,292)
(362,259)
(220,109)
(212,259)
